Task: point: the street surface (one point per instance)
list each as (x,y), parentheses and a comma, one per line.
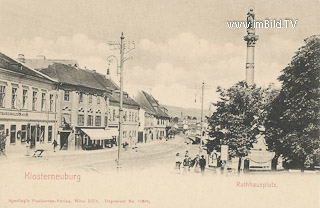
(147,175)
(146,157)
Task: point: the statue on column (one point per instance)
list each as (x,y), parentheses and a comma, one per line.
(250,22)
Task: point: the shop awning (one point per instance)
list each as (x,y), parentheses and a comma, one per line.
(100,134)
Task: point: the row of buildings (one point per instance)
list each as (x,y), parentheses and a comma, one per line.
(42,100)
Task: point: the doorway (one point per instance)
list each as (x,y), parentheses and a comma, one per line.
(33,137)
(64,140)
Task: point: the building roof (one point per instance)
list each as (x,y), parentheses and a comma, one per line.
(151,104)
(44,63)
(75,76)
(15,66)
(70,75)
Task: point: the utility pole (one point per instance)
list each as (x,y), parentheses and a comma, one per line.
(202,93)
(122,46)
(121,101)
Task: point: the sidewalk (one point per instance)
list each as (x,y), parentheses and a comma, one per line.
(51,153)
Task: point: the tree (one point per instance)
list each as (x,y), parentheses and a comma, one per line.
(2,142)
(292,126)
(237,119)
(175,120)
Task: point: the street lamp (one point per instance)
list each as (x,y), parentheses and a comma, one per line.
(110,60)
(122,46)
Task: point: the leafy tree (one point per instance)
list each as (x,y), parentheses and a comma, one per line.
(237,119)
(292,126)
(2,142)
(175,120)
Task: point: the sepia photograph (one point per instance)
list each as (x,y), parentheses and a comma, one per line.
(159,104)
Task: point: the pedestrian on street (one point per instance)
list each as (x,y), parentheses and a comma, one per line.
(187,152)
(196,164)
(186,163)
(190,163)
(178,162)
(55,144)
(202,163)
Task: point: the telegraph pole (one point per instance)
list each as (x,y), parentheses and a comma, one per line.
(121,101)
(202,93)
(122,46)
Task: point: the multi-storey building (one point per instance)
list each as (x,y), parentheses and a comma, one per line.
(82,108)
(130,111)
(155,118)
(88,109)
(28,103)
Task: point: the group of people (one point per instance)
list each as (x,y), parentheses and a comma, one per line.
(189,163)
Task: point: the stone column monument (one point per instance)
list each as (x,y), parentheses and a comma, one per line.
(251,39)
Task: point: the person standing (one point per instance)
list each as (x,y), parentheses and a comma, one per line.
(186,163)
(178,162)
(202,163)
(196,164)
(55,144)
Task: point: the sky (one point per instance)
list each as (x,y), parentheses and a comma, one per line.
(178,43)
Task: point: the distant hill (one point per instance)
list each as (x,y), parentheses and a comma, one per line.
(174,111)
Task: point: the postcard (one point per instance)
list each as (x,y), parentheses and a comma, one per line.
(159,104)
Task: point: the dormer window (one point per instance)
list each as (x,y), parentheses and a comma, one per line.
(90,98)
(80,97)
(66,95)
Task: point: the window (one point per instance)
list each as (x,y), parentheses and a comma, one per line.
(38,133)
(51,103)
(90,120)
(23,133)
(42,133)
(2,95)
(125,116)
(80,97)
(98,120)
(105,121)
(90,98)
(98,100)
(13,134)
(34,100)
(43,101)
(124,134)
(129,116)
(66,95)
(80,120)
(2,128)
(24,98)
(49,133)
(66,119)
(114,115)
(14,98)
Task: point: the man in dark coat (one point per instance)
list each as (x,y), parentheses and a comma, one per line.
(202,163)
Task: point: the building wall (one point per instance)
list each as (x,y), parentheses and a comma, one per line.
(20,119)
(130,123)
(160,127)
(71,109)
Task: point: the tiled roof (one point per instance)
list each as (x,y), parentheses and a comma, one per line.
(18,67)
(70,75)
(73,76)
(44,63)
(147,101)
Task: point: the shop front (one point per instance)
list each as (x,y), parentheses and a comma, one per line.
(96,138)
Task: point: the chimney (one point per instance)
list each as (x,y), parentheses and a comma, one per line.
(41,57)
(21,58)
(108,74)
